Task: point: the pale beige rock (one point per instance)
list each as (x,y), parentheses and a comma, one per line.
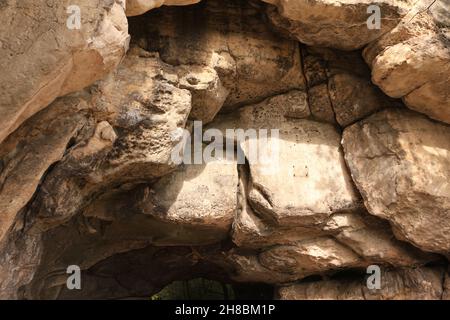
(251,230)
(309,180)
(399,161)
(413,62)
(402,284)
(300,244)
(361,238)
(372,239)
(208,93)
(431,99)
(137,7)
(142,99)
(335,24)
(161,214)
(354,98)
(43,59)
(26,155)
(305,159)
(298,160)
(251,67)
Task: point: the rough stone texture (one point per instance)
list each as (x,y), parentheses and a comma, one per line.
(208,92)
(325,230)
(132,275)
(139,219)
(336,24)
(230,37)
(413,60)
(144,112)
(30,151)
(43,59)
(90,179)
(296,191)
(339,87)
(402,284)
(446,294)
(215,182)
(400,163)
(137,7)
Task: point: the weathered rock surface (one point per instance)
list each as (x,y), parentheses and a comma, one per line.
(402,284)
(30,151)
(208,92)
(301,235)
(213,212)
(413,60)
(229,37)
(43,59)
(336,24)
(160,215)
(291,165)
(399,161)
(297,192)
(318,176)
(141,108)
(339,87)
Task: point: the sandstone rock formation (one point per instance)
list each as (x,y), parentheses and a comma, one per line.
(406,284)
(338,24)
(43,57)
(413,60)
(137,7)
(241,141)
(400,162)
(250,68)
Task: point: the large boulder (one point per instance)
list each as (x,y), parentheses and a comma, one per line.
(136,111)
(213,184)
(400,162)
(335,24)
(339,87)
(232,39)
(95,180)
(300,214)
(137,7)
(42,58)
(26,155)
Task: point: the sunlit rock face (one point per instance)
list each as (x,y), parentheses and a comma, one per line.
(45,55)
(338,24)
(137,7)
(406,284)
(136,161)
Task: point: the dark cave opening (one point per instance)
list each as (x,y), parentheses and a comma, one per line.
(206,289)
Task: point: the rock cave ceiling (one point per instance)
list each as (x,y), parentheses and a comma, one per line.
(87,175)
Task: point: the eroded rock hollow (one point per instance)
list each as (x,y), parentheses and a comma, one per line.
(94,119)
